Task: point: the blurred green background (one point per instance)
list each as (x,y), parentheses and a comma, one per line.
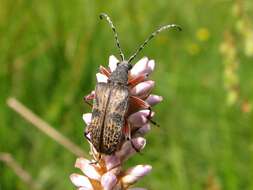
(51,50)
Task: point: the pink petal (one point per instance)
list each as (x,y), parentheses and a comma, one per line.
(139,67)
(101,78)
(87,118)
(87,168)
(154,99)
(135,173)
(143,88)
(139,118)
(144,66)
(128,150)
(139,170)
(91,93)
(118,186)
(113,62)
(111,162)
(144,129)
(139,143)
(83,188)
(108,181)
(117,170)
(151,66)
(81,181)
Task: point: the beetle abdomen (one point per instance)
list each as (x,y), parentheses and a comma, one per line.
(115,118)
(108,117)
(112,135)
(102,96)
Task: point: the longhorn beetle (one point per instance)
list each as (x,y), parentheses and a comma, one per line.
(111,101)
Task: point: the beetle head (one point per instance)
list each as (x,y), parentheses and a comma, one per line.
(125,64)
(120,75)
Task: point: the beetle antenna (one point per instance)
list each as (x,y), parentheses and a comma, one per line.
(153,35)
(103,15)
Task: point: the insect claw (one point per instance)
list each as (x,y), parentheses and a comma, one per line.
(153,122)
(149,118)
(87,98)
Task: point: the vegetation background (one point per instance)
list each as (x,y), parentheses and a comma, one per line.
(51,50)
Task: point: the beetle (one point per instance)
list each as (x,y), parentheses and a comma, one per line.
(111,101)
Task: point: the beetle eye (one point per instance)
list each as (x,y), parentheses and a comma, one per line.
(130,66)
(118,64)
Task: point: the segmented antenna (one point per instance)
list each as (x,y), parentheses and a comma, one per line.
(151,36)
(114,31)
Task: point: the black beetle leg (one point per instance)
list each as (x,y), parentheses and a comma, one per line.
(88,98)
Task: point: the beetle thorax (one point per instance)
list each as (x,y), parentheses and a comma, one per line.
(120,74)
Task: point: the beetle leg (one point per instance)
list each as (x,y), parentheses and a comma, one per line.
(149,118)
(86,135)
(98,160)
(127,132)
(135,80)
(141,104)
(99,156)
(89,98)
(104,71)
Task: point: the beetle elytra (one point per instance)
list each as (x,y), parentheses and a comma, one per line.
(111,101)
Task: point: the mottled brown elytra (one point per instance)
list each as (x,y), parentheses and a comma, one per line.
(111,101)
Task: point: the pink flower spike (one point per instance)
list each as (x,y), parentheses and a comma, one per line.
(81,181)
(108,181)
(140,67)
(135,173)
(143,88)
(154,99)
(101,78)
(108,171)
(87,168)
(87,118)
(113,62)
